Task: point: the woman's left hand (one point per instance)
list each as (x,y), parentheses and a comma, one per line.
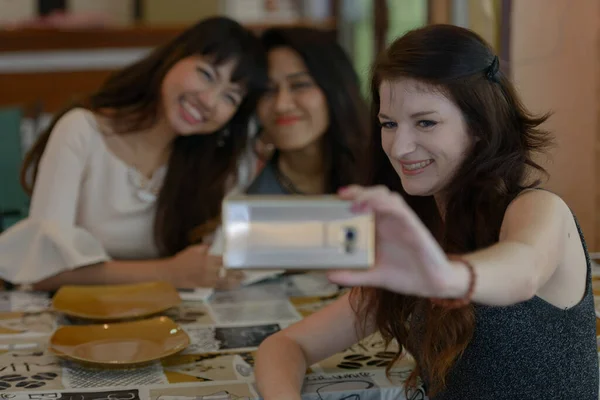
(408,258)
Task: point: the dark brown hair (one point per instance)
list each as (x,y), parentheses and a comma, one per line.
(349,127)
(199,166)
(459,64)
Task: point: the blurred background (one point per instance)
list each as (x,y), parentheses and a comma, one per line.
(54,51)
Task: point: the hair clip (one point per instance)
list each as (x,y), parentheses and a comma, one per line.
(492,70)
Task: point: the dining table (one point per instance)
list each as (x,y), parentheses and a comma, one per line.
(225,331)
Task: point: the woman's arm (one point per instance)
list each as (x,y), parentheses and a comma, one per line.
(61,169)
(539,253)
(110,272)
(191,268)
(537,232)
(283,358)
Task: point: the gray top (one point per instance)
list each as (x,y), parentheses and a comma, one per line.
(267,182)
(531,350)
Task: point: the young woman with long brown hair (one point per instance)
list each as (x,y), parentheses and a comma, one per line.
(126,181)
(482,277)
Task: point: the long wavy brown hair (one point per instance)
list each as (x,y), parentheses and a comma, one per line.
(199,166)
(456,62)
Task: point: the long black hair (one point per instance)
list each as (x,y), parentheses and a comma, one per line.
(348,135)
(200,165)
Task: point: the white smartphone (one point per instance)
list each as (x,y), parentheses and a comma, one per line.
(295,233)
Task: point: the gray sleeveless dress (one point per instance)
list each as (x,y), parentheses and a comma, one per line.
(529,351)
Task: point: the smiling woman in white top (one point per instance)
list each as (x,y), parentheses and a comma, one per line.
(123,181)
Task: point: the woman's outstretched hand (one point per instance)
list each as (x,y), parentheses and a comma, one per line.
(408,258)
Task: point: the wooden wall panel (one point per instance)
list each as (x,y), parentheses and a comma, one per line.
(50,39)
(555,64)
(54,89)
(117,37)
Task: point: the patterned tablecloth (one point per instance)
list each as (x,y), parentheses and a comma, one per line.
(225,332)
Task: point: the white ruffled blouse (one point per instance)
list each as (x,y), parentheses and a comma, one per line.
(88,207)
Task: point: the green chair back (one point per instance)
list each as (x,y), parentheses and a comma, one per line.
(14,202)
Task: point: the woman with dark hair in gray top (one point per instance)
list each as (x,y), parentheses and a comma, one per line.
(485,280)
(312,115)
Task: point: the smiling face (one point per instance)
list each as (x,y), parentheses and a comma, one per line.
(294,110)
(199,97)
(423,134)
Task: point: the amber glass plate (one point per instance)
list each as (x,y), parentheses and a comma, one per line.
(116,302)
(120,344)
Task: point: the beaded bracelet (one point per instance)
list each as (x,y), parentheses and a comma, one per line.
(466,299)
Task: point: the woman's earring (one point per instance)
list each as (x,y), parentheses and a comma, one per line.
(263,149)
(269,148)
(222,137)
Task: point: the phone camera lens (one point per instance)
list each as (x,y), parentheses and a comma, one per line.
(350,239)
(350,234)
